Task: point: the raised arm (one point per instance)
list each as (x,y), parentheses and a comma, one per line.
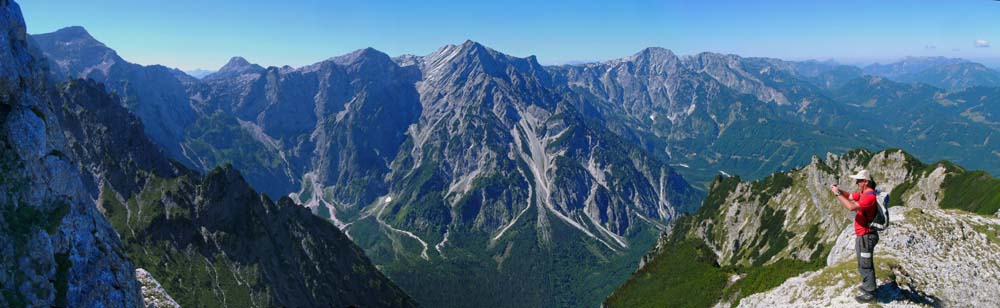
(851,205)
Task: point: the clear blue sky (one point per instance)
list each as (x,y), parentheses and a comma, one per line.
(205,34)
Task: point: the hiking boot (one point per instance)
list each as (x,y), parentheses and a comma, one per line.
(865,297)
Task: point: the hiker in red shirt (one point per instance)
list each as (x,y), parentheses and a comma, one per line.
(864,202)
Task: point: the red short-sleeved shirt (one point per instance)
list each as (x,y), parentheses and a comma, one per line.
(866,213)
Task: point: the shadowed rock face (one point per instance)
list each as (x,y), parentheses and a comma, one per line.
(216,231)
(57,249)
(338,122)
(156,94)
(270,254)
(107,140)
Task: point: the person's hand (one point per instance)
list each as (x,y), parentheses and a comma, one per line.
(835,189)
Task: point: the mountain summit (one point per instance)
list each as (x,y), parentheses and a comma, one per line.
(236,66)
(154,93)
(73,34)
(72,51)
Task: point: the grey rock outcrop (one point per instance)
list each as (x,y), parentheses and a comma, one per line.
(930,257)
(787,230)
(152,292)
(58,250)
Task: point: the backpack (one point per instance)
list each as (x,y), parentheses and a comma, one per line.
(881,220)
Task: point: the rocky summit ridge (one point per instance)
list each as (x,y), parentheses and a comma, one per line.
(783,240)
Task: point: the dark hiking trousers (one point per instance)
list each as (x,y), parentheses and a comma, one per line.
(864,246)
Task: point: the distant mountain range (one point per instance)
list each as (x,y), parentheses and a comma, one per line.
(945,73)
(474,178)
(909,65)
(955,76)
(199,73)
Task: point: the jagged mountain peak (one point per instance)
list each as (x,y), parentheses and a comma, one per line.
(364,55)
(238,64)
(236,61)
(72,34)
(652,55)
(473,45)
(478,49)
(472,58)
(474,51)
(464,50)
(73,51)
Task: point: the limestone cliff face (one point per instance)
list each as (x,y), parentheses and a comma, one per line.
(793,215)
(57,249)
